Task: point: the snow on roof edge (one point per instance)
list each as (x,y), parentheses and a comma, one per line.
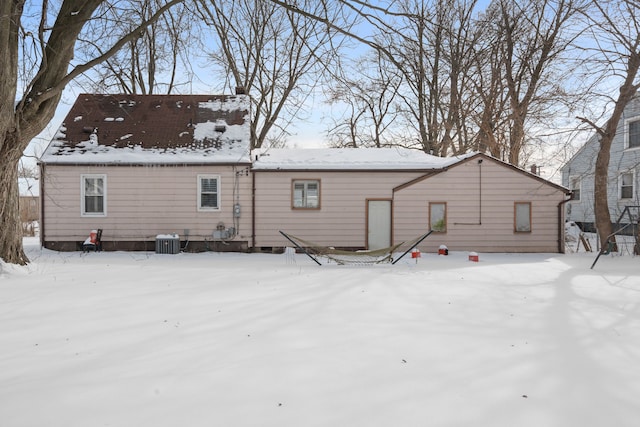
(351,159)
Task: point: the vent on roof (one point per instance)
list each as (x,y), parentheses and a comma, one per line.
(220,128)
(87,129)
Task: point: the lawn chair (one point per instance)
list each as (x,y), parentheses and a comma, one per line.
(93,242)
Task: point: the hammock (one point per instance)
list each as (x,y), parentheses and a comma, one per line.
(376,256)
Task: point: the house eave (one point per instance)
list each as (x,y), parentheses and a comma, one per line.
(346,170)
(142,164)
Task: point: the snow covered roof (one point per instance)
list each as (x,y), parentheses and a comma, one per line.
(351,159)
(154,129)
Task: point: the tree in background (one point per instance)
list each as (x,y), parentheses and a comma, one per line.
(470,78)
(157,62)
(613,56)
(369,88)
(532,37)
(38,59)
(273,53)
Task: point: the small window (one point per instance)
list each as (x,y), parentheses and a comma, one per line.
(626,181)
(94,191)
(208,192)
(633,134)
(306,194)
(522,217)
(575,184)
(438,217)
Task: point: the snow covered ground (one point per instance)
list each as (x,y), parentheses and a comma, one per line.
(220,339)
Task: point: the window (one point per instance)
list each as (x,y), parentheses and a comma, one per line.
(574,185)
(522,221)
(633,134)
(208,192)
(438,217)
(94,191)
(626,181)
(306,194)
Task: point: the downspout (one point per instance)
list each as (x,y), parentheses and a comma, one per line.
(42,231)
(480,192)
(561,224)
(253,209)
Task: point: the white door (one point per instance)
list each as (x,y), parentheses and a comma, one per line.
(378,224)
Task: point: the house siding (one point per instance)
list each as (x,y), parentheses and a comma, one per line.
(480,219)
(142,202)
(341,219)
(582,165)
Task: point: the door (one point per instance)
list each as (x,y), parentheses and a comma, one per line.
(378,224)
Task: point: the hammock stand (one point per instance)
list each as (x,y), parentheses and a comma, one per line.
(342,257)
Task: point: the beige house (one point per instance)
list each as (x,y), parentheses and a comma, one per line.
(373,198)
(175,172)
(149,167)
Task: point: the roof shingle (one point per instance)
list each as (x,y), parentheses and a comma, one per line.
(153,128)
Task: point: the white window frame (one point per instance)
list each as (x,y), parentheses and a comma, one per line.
(304,201)
(627,139)
(516,217)
(83,207)
(578,179)
(633,184)
(218,192)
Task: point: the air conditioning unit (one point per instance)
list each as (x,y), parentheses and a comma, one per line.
(167,244)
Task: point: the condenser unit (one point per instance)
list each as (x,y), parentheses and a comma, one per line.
(167,244)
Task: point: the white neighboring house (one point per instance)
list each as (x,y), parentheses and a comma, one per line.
(578,173)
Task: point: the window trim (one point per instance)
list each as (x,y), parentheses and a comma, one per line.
(571,187)
(515,217)
(306,181)
(83,206)
(632,172)
(431,204)
(218,207)
(627,140)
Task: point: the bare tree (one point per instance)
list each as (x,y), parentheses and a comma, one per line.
(37,62)
(616,56)
(422,50)
(369,89)
(469,80)
(274,53)
(527,43)
(155,62)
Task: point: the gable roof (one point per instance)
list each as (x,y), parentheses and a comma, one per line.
(154,129)
(350,159)
(481,157)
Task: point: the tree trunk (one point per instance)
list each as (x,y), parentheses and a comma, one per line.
(601,202)
(22,121)
(11,250)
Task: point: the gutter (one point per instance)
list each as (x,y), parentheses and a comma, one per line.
(253,209)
